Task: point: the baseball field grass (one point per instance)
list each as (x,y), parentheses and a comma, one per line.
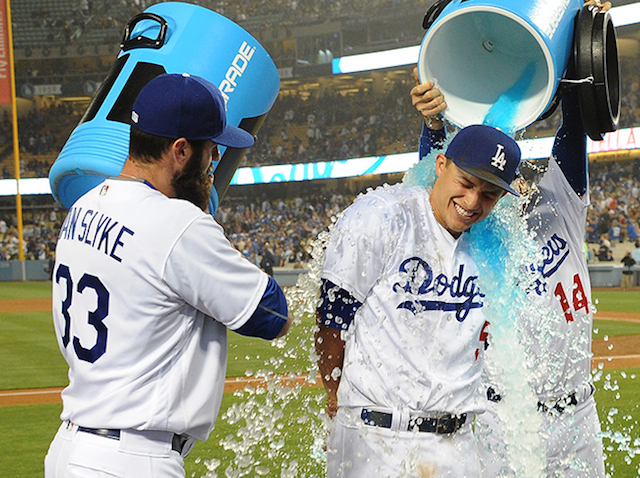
(276,430)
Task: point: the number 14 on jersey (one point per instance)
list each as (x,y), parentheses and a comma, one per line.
(579,299)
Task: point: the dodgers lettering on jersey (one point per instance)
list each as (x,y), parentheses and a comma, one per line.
(416,341)
(421,282)
(554,252)
(96,230)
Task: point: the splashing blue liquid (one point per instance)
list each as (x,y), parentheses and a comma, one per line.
(504,111)
(423,173)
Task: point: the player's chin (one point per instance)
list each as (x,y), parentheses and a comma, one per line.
(457,227)
(462,223)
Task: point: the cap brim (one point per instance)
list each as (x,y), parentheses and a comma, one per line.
(490,178)
(234,137)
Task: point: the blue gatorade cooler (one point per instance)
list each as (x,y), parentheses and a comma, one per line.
(171,37)
(499,62)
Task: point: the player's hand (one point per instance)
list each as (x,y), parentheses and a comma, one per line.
(602,6)
(332,406)
(285,327)
(429,102)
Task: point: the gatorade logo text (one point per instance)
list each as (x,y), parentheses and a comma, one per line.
(235,71)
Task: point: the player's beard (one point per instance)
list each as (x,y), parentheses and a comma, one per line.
(193,183)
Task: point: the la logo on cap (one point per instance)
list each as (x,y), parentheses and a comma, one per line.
(498,160)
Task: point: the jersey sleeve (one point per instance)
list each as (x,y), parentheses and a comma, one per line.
(570,144)
(359,242)
(563,201)
(209,274)
(271,315)
(337,307)
(430,139)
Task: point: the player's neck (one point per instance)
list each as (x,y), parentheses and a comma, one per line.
(151,174)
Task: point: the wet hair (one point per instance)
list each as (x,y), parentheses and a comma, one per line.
(149,148)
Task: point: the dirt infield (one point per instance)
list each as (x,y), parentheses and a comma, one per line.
(615,352)
(25,305)
(52,395)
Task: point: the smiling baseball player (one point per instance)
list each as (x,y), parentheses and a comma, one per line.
(399,283)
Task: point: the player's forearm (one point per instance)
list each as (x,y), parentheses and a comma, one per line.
(330,349)
(570,146)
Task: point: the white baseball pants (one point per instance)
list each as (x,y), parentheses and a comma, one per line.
(356,450)
(74,454)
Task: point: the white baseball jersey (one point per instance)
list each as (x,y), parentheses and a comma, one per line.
(144,289)
(558,217)
(417,341)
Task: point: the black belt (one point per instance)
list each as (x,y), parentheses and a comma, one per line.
(559,405)
(177,442)
(443,425)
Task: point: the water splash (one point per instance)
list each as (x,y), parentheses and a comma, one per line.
(279,426)
(504,238)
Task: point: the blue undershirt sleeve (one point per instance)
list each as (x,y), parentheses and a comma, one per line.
(430,139)
(337,306)
(270,315)
(570,146)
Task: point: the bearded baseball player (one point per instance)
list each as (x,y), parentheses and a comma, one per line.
(145,287)
(557,209)
(401,324)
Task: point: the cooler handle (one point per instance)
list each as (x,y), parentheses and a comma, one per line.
(140,41)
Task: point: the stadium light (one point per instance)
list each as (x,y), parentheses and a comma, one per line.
(620,16)
(9,187)
(375,60)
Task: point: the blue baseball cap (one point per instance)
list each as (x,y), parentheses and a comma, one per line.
(186,106)
(487,153)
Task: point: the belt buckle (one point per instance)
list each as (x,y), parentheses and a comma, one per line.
(447,425)
(563,403)
(559,404)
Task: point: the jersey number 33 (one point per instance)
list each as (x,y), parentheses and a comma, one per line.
(94,317)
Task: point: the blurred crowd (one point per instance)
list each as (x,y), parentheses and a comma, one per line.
(69,21)
(277,232)
(40,233)
(296,12)
(74,19)
(41,134)
(614,216)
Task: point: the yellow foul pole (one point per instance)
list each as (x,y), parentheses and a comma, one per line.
(14,116)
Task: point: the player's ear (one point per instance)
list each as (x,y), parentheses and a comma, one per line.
(181,151)
(441,163)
